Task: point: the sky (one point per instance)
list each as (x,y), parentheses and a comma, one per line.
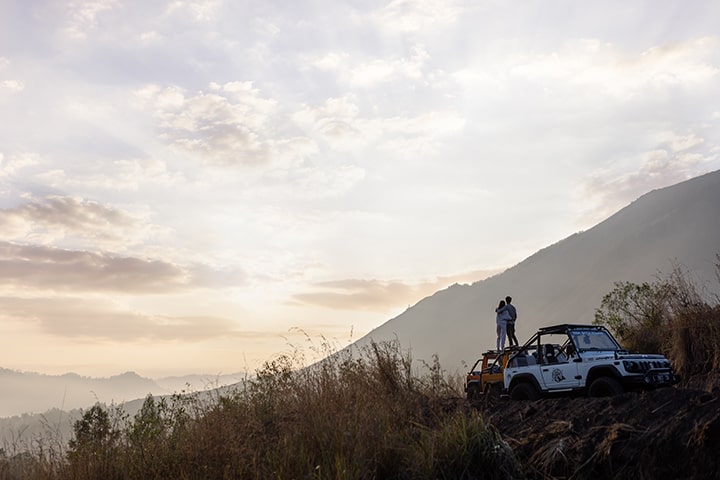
(201,186)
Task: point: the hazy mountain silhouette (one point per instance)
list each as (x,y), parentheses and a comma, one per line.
(198,383)
(34,406)
(565,282)
(29,392)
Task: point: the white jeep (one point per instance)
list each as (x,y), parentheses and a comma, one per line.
(580,359)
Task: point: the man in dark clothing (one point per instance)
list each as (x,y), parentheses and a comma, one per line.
(510,308)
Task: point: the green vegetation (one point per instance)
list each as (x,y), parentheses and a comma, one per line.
(671,316)
(358,416)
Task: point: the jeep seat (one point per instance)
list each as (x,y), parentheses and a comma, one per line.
(549,354)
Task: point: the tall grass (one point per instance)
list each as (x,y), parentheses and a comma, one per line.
(358,414)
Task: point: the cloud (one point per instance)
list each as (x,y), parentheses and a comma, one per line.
(12,164)
(82,16)
(584,77)
(9,85)
(591,64)
(12,85)
(56,217)
(370,73)
(677,142)
(377,295)
(228,126)
(611,188)
(339,124)
(335,122)
(199,11)
(97,319)
(417,15)
(119,175)
(54,269)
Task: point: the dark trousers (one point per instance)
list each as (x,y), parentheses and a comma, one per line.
(511,334)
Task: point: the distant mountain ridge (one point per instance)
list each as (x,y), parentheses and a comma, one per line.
(30,392)
(565,282)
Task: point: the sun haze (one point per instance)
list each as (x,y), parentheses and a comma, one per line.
(191,187)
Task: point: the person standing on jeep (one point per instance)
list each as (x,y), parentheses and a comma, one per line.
(501,318)
(510,308)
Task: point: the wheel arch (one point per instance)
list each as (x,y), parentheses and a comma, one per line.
(602,371)
(525,378)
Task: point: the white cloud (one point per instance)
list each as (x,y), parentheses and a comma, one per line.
(97,319)
(12,85)
(9,85)
(228,127)
(82,16)
(334,121)
(583,71)
(199,11)
(615,186)
(417,15)
(13,164)
(55,218)
(678,142)
(370,73)
(378,295)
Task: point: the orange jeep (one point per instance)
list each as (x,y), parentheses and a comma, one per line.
(485,378)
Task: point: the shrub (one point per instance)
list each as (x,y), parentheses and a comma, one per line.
(668,316)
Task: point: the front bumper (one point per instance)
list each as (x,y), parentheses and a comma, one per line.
(655,377)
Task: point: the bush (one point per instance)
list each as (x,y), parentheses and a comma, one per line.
(669,316)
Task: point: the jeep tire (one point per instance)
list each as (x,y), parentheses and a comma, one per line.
(605,387)
(473,392)
(524,391)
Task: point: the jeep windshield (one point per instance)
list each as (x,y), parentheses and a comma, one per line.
(593,340)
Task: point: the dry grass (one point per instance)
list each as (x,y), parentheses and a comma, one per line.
(356,415)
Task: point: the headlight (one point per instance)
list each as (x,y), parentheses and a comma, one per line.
(631,366)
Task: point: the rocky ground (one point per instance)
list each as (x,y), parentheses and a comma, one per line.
(670,433)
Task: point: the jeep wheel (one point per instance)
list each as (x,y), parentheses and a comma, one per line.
(473,392)
(524,391)
(605,387)
(492,394)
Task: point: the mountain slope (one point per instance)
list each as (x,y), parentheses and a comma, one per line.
(565,282)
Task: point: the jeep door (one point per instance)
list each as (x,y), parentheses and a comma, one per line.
(560,376)
(558,371)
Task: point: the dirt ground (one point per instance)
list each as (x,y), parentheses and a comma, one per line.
(670,433)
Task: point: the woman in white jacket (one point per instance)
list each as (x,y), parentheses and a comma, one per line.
(501,318)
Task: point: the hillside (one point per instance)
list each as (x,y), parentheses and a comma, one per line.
(565,282)
(667,433)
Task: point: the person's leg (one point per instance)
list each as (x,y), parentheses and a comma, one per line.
(511,334)
(498,330)
(502,337)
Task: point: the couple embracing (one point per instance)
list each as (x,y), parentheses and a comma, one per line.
(505,321)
